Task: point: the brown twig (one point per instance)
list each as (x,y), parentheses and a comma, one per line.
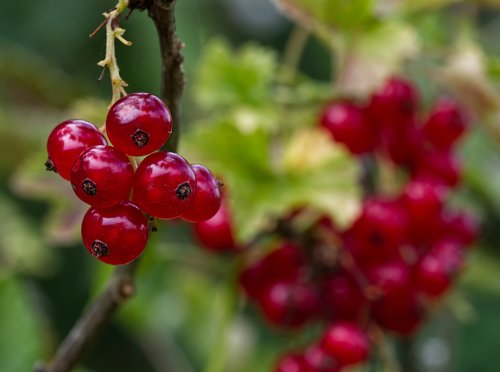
(121,284)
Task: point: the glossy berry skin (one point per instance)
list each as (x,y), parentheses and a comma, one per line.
(67,141)
(164,185)
(116,235)
(422,200)
(346,342)
(138,124)
(216,233)
(347,124)
(394,104)
(102,176)
(342,297)
(445,124)
(207,200)
(390,278)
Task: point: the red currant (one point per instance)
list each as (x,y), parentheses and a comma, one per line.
(401,314)
(216,233)
(67,141)
(445,124)
(438,166)
(102,176)
(347,124)
(318,360)
(164,185)
(390,277)
(291,363)
(207,200)
(342,297)
(116,235)
(138,124)
(346,342)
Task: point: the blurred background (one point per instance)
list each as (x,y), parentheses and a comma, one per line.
(49,73)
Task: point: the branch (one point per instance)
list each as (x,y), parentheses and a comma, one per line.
(121,284)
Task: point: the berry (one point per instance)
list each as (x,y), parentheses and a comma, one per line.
(216,233)
(445,124)
(207,200)
(291,363)
(116,235)
(347,124)
(138,124)
(422,199)
(67,141)
(317,360)
(342,297)
(402,146)
(164,185)
(394,104)
(346,342)
(439,166)
(378,231)
(390,278)
(102,176)
(401,314)
(289,304)
(462,227)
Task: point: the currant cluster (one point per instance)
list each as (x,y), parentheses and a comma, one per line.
(163,185)
(397,259)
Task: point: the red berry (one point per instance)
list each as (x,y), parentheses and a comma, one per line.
(102,176)
(342,297)
(289,304)
(317,360)
(207,200)
(390,277)
(284,264)
(423,199)
(67,141)
(216,233)
(394,103)
(291,363)
(401,314)
(347,124)
(438,166)
(402,146)
(445,124)
(462,227)
(116,235)
(138,124)
(379,230)
(346,342)
(432,277)
(164,185)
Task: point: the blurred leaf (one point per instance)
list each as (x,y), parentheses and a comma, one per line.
(225,77)
(263,191)
(21,343)
(426,5)
(21,248)
(340,14)
(368,59)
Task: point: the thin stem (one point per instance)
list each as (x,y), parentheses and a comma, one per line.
(293,53)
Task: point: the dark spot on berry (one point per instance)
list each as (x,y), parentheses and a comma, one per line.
(407,106)
(99,248)
(49,166)
(140,138)
(89,187)
(376,238)
(183,191)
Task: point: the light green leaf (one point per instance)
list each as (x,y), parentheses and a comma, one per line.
(226,77)
(338,14)
(21,342)
(368,59)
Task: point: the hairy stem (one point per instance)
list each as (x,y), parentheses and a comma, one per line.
(121,284)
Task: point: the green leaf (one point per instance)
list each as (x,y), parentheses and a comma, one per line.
(338,14)
(369,58)
(21,342)
(226,77)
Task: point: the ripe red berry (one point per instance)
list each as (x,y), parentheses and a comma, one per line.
(343,299)
(347,124)
(216,233)
(346,342)
(445,124)
(291,363)
(116,235)
(102,176)
(164,185)
(138,124)
(289,304)
(390,277)
(67,141)
(318,360)
(462,227)
(402,146)
(394,104)
(423,199)
(438,166)
(401,314)
(379,230)
(207,200)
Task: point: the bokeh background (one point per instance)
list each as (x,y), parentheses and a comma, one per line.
(49,73)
